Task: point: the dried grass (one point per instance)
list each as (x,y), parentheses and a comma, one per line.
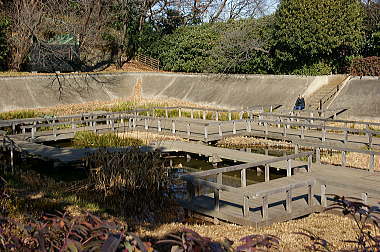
(148,137)
(331,227)
(245,141)
(356,160)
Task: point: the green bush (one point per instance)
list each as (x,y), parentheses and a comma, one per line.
(319,68)
(20,114)
(369,66)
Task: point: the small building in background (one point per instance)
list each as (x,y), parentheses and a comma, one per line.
(58,54)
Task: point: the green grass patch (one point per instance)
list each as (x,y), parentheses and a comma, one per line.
(87,139)
(21,114)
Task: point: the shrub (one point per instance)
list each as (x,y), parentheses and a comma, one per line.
(369,66)
(319,68)
(21,114)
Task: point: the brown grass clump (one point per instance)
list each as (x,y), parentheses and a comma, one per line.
(245,141)
(148,137)
(332,228)
(356,160)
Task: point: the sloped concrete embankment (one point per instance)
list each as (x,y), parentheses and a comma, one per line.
(362,98)
(233,91)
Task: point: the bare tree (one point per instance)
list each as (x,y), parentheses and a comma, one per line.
(26,20)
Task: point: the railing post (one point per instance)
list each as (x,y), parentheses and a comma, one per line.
(243,177)
(216,199)
(229,116)
(345,136)
(166,113)
(266,172)
(265,208)
(241,115)
(188,129)
(302,132)
(284,135)
(323,196)
(204,115)
(369,139)
(245,206)
(249,128)
(173,126)
(192,114)
(217,116)
(309,162)
(145,124)
(344,158)
(219,179)
(323,133)
(289,168)
(159,125)
(206,134)
(33,131)
(372,163)
(310,195)
(318,155)
(233,128)
(12,154)
(266,128)
(179,112)
(365,198)
(289,200)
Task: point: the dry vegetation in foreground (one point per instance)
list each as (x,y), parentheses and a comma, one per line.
(332,228)
(356,160)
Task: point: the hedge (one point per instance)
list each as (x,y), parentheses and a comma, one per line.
(369,66)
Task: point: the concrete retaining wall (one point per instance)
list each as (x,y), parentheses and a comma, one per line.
(362,97)
(233,91)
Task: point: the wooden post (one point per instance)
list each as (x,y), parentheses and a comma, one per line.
(271,109)
(284,131)
(267,175)
(323,134)
(219,179)
(33,132)
(229,116)
(318,155)
(289,168)
(179,112)
(245,206)
(365,198)
(289,201)
(204,115)
(166,113)
(206,135)
(220,130)
(216,200)
(296,149)
(372,163)
(159,125)
(188,129)
(243,177)
(310,195)
(369,139)
(309,162)
(173,126)
(217,116)
(323,196)
(234,128)
(345,136)
(344,158)
(192,114)
(134,121)
(265,208)
(190,190)
(302,132)
(145,124)
(249,128)
(266,128)
(241,115)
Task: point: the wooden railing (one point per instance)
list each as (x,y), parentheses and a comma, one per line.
(195,180)
(148,61)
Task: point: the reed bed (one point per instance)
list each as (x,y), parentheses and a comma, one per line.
(148,137)
(86,139)
(355,160)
